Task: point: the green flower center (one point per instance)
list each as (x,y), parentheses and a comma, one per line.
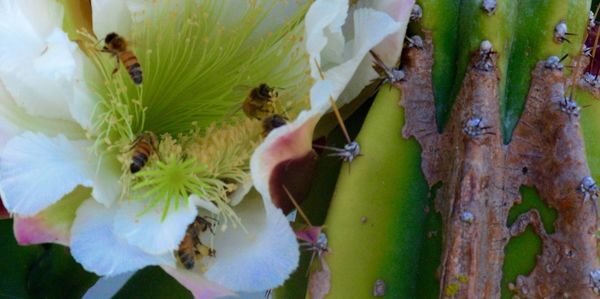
(199,62)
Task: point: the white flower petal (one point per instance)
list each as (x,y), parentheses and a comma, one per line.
(149,231)
(324,21)
(107,187)
(99,250)
(37,170)
(57,60)
(341,48)
(14,120)
(263,258)
(370,28)
(53,224)
(8,128)
(84,102)
(390,49)
(204,204)
(81,106)
(110,16)
(36,65)
(238,195)
(43,15)
(320,93)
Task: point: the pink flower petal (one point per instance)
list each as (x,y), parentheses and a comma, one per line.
(52,225)
(309,234)
(34,230)
(200,287)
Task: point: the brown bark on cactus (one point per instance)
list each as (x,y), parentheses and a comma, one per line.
(481,179)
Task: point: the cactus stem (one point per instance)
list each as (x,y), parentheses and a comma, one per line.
(474,185)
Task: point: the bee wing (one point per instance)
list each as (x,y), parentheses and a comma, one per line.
(134,142)
(233,111)
(243,88)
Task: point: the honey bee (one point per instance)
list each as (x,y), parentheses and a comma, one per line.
(117,46)
(190,247)
(143,147)
(259,102)
(271,122)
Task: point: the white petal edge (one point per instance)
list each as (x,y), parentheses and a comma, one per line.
(149,231)
(95,246)
(37,170)
(261,259)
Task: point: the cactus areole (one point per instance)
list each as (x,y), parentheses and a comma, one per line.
(482,174)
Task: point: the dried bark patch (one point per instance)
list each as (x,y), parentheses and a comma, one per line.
(481,179)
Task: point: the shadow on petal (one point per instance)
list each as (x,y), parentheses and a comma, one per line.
(286,158)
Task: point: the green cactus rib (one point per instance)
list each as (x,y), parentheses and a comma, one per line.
(375,221)
(590,125)
(521,32)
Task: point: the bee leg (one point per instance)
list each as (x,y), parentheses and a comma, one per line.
(116,66)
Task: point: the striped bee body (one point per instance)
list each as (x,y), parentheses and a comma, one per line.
(259,102)
(142,147)
(191,248)
(117,46)
(271,122)
(132,65)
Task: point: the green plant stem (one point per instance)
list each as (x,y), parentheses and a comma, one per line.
(375,221)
